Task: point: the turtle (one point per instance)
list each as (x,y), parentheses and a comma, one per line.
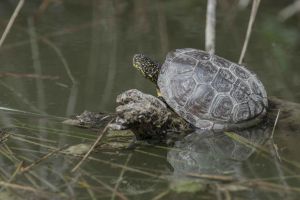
(207,91)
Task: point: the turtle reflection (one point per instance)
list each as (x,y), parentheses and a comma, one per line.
(214,153)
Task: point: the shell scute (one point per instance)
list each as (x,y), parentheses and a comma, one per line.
(222,107)
(182,88)
(240,91)
(205,72)
(241,112)
(241,72)
(201,100)
(256,106)
(223,81)
(221,62)
(257,87)
(183,64)
(199,55)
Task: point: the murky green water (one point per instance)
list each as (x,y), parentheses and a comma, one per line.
(81,53)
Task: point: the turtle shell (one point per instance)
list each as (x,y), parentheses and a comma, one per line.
(211,92)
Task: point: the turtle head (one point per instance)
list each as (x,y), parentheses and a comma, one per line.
(149,68)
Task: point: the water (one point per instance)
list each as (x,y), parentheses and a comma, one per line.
(84,49)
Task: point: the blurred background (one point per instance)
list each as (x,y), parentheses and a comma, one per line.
(81,51)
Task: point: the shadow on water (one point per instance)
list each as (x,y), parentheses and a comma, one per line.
(62,57)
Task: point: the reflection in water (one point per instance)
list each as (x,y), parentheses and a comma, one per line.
(214,153)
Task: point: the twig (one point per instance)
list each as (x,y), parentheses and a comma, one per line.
(254,9)
(211,177)
(92,147)
(7,152)
(87,186)
(23,75)
(134,170)
(20,97)
(12,177)
(263,185)
(289,11)
(42,180)
(34,138)
(106,186)
(11,21)
(161,195)
(16,111)
(278,165)
(74,89)
(120,177)
(275,148)
(31,142)
(61,32)
(25,169)
(275,123)
(37,66)
(42,8)
(273,145)
(210,31)
(61,57)
(21,187)
(262,149)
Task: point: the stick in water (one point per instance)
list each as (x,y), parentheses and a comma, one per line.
(92,147)
(254,9)
(210,29)
(11,21)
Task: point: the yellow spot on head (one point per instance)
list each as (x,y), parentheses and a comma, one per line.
(137,65)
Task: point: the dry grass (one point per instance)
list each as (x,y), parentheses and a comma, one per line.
(11,21)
